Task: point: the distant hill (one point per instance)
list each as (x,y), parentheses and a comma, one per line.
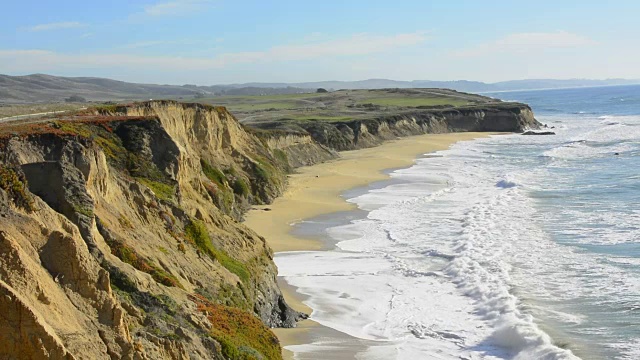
(48,88)
(459,85)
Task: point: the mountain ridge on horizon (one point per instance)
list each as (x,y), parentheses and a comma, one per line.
(44,87)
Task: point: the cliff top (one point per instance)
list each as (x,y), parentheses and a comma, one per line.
(345,105)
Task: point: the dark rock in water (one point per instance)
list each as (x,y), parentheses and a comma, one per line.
(538,133)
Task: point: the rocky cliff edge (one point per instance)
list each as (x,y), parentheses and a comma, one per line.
(120,236)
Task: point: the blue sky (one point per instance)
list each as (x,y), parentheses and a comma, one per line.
(221,41)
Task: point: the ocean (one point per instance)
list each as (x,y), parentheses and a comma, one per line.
(507,247)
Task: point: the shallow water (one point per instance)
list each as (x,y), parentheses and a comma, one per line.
(513,246)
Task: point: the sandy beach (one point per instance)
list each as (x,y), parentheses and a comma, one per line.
(316,190)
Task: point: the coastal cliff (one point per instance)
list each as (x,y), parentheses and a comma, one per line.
(120,235)
(119,238)
(357,134)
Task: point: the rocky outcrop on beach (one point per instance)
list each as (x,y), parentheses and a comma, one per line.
(119,237)
(538,133)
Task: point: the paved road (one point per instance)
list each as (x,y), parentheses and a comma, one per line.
(37,115)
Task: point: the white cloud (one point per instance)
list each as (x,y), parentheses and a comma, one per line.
(144,44)
(57,26)
(527,42)
(360,44)
(177,7)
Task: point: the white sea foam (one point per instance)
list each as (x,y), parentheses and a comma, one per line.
(581,149)
(420,289)
(456,262)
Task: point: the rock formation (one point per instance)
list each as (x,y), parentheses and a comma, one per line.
(120,236)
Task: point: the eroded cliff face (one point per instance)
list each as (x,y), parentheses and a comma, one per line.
(118,237)
(357,134)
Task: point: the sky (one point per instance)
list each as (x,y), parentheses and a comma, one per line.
(208,42)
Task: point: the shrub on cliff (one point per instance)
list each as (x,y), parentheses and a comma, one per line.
(15,185)
(240,334)
(197,234)
(240,187)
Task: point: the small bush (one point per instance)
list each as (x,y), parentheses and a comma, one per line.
(240,334)
(86,211)
(212,173)
(107,109)
(14,184)
(240,187)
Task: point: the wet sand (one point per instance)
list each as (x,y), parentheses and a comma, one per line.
(316,190)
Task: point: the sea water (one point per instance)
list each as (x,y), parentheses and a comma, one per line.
(508,247)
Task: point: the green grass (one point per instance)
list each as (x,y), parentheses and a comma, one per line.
(128,255)
(23,109)
(282,159)
(212,173)
(322,118)
(86,211)
(415,101)
(265,98)
(197,233)
(263,106)
(161,190)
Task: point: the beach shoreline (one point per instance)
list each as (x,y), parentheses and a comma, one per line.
(317,190)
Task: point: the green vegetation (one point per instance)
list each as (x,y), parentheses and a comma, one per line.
(19,109)
(265,172)
(107,109)
(417,101)
(240,334)
(197,234)
(124,222)
(102,134)
(212,173)
(218,190)
(240,187)
(84,210)
(282,159)
(161,190)
(281,156)
(222,198)
(322,118)
(15,185)
(139,167)
(128,255)
(341,105)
